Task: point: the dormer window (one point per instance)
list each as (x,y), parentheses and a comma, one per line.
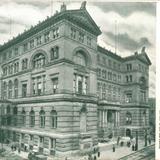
(54,53)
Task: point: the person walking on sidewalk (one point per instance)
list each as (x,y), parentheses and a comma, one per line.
(113,148)
(19,150)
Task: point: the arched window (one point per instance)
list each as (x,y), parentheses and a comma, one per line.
(10,85)
(83,119)
(128,118)
(42,118)
(32,118)
(54,53)
(16,88)
(80,58)
(39,60)
(23,114)
(4,90)
(53,119)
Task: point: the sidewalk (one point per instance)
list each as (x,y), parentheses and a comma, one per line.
(23,155)
(119,152)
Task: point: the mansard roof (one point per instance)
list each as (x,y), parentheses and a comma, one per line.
(79,17)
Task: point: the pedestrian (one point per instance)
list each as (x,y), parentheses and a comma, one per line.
(118,139)
(94,150)
(12,147)
(25,148)
(66,158)
(149,140)
(133,147)
(98,153)
(95,158)
(19,150)
(113,148)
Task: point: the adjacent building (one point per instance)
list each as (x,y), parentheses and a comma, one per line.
(60,90)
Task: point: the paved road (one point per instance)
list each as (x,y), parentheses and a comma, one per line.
(147,153)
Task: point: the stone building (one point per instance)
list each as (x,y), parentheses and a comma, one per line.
(152,115)
(60,90)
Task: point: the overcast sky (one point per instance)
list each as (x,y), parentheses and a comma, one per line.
(135,24)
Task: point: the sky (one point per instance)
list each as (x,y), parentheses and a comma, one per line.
(133,23)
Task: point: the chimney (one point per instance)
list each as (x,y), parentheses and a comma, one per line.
(63,7)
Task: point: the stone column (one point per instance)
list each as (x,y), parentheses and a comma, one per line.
(103,117)
(106,117)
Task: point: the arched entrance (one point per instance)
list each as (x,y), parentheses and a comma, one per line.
(128,132)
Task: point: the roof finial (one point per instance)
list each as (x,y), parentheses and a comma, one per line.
(143,49)
(83,5)
(63,7)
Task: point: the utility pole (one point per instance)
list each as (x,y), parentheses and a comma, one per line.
(116,37)
(51,7)
(145,137)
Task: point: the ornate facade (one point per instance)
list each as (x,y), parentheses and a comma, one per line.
(61,92)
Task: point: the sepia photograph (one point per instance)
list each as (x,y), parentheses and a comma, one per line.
(77,80)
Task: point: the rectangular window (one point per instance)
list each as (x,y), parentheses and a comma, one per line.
(25,47)
(114,77)
(128,97)
(119,78)
(129,67)
(99,72)
(16,51)
(24,90)
(109,63)
(109,75)
(46,37)
(73,33)
(53,143)
(55,33)
(55,85)
(31,43)
(81,84)
(4,56)
(99,90)
(89,41)
(81,37)
(9,54)
(39,40)
(39,88)
(104,74)
(130,78)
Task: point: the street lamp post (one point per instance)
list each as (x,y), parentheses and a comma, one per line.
(136,140)
(145,137)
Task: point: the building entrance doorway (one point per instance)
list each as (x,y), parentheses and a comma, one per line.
(128,132)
